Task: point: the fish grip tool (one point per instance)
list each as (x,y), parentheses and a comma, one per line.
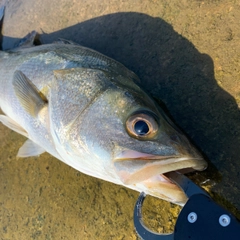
(200,218)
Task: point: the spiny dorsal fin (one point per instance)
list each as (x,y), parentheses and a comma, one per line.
(28,95)
(28,41)
(2,9)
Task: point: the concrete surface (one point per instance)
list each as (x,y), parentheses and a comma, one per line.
(186,54)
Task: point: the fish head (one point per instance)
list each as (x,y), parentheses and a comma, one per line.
(136,142)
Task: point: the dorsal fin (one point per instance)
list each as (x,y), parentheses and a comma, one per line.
(65,41)
(27,41)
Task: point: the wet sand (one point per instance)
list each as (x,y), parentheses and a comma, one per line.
(186,55)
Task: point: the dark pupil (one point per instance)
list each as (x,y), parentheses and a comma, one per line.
(141,128)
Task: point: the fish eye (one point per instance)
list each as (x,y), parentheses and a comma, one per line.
(141,128)
(142,125)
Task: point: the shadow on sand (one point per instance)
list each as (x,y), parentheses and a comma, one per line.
(172,70)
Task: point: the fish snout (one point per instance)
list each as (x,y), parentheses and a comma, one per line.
(184,148)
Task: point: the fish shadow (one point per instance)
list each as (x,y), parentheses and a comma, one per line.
(171,70)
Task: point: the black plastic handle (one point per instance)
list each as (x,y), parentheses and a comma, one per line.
(202,218)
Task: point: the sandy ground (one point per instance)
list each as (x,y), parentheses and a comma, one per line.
(186,54)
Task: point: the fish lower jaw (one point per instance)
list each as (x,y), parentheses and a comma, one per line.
(152,181)
(150,168)
(161,187)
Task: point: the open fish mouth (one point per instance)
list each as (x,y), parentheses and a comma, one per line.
(146,172)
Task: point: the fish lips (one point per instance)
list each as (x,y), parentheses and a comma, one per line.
(134,167)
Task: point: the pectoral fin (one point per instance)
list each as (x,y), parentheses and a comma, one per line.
(29,149)
(30,98)
(12,125)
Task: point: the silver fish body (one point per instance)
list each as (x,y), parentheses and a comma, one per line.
(87,110)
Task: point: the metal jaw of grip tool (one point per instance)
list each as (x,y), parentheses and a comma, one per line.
(200,218)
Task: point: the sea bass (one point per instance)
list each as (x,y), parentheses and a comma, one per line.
(86,110)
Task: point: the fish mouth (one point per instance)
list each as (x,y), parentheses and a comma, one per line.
(146,172)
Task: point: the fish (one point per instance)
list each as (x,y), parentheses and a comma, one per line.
(89,111)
